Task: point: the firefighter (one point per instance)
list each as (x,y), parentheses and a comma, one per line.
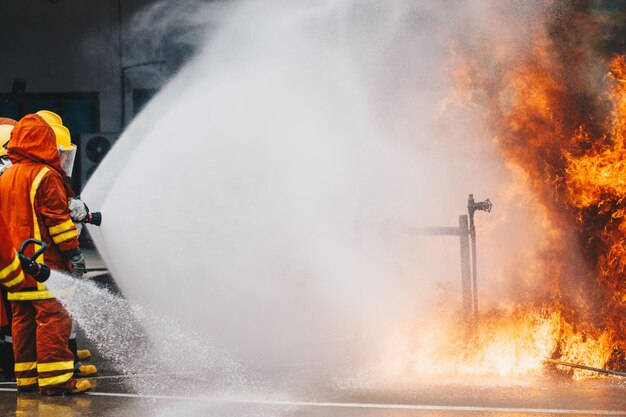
(33,202)
(6,344)
(6,126)
(78,212)
(78,209)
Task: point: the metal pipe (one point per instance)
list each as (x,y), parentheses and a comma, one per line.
(585,367)
(466,275)
(472,207)
(435,231)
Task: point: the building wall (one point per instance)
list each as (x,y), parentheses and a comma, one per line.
(69,46)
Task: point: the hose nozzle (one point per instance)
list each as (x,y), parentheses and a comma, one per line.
(94,218)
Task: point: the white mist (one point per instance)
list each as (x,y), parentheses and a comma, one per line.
(264,195)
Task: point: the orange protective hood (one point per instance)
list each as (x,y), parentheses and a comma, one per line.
(33,140)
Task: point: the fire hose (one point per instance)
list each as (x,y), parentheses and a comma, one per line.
(41,272)
(587,368)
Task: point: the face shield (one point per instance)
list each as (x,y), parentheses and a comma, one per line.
(67,156)
(5,133)
(4,163)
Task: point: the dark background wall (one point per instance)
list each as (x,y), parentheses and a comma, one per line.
(76,57)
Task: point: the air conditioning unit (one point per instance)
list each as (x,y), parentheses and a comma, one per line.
(92,148)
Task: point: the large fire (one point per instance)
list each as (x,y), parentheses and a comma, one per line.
(569,144)
(595,181)
(562,129)
(578,173)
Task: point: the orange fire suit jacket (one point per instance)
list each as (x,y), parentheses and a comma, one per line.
(33,201)
(11,274)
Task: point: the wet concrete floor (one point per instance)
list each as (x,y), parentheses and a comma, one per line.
(321,395)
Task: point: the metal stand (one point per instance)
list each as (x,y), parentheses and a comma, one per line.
(469,271)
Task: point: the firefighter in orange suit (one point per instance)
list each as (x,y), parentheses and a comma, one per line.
(12,279)
(78,211)
(6,346)
(33,202)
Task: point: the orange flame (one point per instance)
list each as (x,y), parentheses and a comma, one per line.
(579,174)
(568,144)
(582,183)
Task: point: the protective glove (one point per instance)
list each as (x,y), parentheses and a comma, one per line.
(78,264)
(78,226)
(41,272)
(78,209)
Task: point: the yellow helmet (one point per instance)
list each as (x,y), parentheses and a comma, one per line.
(63,136)
(67,150)
(50,117)
(5,134)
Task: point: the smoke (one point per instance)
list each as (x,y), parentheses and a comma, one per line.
(169,32)
(265,196)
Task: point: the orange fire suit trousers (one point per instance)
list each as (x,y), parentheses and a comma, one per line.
(41,329)
(6,344)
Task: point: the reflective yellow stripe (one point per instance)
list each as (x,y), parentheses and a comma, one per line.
(55,366)
(60,228)
(11,268)
(22,382)
(54,380)
(25,366)
(42,293)
(33,193)
(65,236)
(15,281)
(30,295)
